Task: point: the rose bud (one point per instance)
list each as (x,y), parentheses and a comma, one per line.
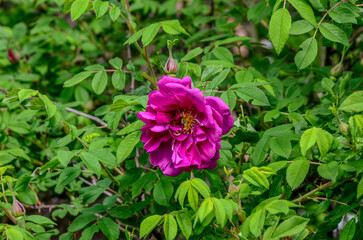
(17,209)
(171,66)
(344,128)
(337,70)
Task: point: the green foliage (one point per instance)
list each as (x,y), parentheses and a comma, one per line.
(75,73)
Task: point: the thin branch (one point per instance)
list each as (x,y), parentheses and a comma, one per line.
(93,118)
(326,199)
(309,194)
(325,14)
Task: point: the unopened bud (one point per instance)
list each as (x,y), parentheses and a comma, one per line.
(337,70)
(171,66)
(17,209)
(344,128)
(12,56)
(232,188)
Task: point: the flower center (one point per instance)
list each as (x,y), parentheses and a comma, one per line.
(188,121)
(185,123)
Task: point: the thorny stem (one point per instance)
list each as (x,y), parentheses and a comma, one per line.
(326,199)
(321,20)
(309,194)
(284,4)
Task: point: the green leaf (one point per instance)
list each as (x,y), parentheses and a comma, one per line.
(329,170)
(342,14)
(324,141)
(219,211)
(49,106)
(229,97)
(170,227)
(116,63)
(192,54)
(256,177)
(91,162)
(26,93)
(22,183)
(114,13)
(135,37)
(259,152)
(127,145)
(308,53)
(319,5)
(300,27)
(334,33)
(219,78)
(78,8)
(278,206)
(77,79)
(81,221)
(218,63)
(244,76)
(121,212)
(279,28)
(100,8)
(89,232)
(13,233)
(193,198)
(257,221)
(148,224)
(290,227)
(308,139)
(109,228)
(99,82)
(223,54)
(142,182)
(281,146)
(39,220)
(348,230)
(206,208)
(67,176)
(131,128)
(162,192)
(305,10)
(118,79)
(104,155)
(149,34)
(185,224)
(182,191)
(360,188)
(257,95)
(353,103)
(65,156)
(296,172)
(328,85)
(201,187)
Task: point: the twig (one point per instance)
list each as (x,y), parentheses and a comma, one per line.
(93,118)
(307,196)
(321,20)
(4,91)
(326,199)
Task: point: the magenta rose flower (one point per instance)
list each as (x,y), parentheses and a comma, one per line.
(183,128)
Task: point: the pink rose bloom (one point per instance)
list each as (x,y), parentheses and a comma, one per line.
(183,128)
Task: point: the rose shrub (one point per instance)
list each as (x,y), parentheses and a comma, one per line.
(183,128)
